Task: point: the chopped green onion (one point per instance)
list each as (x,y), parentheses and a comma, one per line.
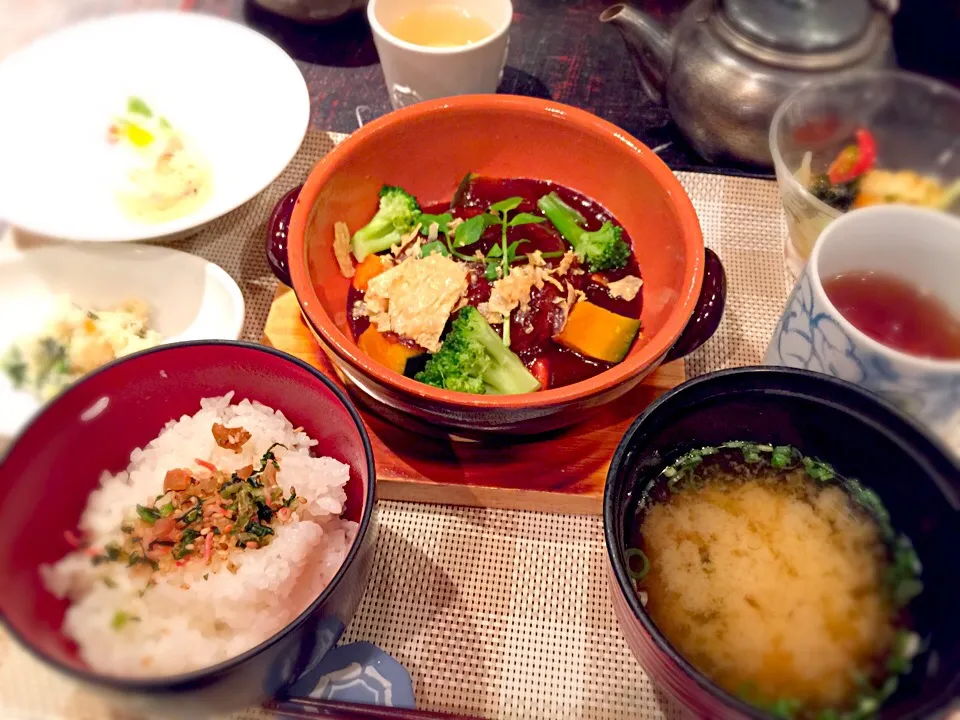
(138,107)
(868,706)
(190,516)
(259,530)
(889,687)
(264,513)
(148,515)
(637,575)
(751,453)
(228,491)
(136,559)
(819,471)
(785,708)
(166,510)
(268,456)
(15,366)
(181,550)
(121,618)
(782,457)
(189,536)
(244,537)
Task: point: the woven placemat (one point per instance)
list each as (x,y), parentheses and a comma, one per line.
(495,613)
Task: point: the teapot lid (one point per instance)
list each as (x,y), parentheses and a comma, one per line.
(800,25)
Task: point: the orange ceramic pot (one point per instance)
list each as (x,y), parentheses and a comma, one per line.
(427,149)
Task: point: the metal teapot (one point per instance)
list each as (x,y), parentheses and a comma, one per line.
(726,65)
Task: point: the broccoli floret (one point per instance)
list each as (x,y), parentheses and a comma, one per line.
(602,249)
(397,215)
(473,359)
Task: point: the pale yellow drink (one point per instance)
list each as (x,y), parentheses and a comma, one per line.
(441,26)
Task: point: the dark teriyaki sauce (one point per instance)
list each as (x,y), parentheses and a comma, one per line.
(531,332)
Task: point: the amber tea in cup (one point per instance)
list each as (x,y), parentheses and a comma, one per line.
(896,313)
(434,48)
(878,305)
(441,26)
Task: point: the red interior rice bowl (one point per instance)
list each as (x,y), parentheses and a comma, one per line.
(219,533)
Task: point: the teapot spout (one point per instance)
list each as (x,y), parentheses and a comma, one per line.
(649,43)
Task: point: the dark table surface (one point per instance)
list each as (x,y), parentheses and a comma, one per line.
(558,50)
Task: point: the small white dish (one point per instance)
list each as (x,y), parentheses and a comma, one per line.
(188,297)
(236,96)
(414,73)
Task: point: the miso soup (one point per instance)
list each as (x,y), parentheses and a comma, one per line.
(777,579)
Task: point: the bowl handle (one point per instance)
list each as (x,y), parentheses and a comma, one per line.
(708,311)
(703,322)
(277,227)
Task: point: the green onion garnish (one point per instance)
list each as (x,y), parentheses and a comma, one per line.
(637,575)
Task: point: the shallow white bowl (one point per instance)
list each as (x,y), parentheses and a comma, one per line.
(235,94)
(189,298)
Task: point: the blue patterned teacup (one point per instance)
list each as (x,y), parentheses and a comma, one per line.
(921,247)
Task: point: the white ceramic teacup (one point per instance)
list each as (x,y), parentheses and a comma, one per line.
(921,247)
(417,72)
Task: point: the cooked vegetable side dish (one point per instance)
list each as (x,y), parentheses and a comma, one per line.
(161,176)
(515,286)
(77,341)
(853,180)
(219,533)
(780,580)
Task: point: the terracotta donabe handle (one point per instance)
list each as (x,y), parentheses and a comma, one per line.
(277,228)
(708,311)
(703,322)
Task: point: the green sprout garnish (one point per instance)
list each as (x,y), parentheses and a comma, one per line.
(507,252)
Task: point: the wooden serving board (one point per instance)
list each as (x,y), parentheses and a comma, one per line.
(563,471)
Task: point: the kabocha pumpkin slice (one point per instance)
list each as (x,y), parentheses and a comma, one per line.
(598,333)
(371,266)
(387,351)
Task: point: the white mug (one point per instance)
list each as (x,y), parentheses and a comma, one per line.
(920,247)
(417,72)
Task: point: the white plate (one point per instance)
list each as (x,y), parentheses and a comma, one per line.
(189,298)
(236,95)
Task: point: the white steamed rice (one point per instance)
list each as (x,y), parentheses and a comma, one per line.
(187,622)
